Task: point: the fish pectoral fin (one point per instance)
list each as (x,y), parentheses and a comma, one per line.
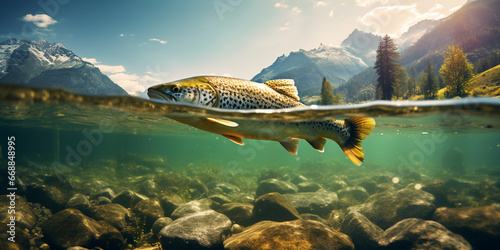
(223,122)
(318,144)
(291,145)
(234,139)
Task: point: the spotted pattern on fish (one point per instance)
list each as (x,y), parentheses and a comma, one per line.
(243,94)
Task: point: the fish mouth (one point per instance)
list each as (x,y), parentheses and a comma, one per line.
(156,94)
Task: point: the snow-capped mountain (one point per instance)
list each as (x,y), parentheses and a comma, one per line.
(337,63)
(43,64)
(415,32)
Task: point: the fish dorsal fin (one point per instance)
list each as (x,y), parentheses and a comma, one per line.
(318,144)
(223,122)
(285,87)
(234,139)
(291,145)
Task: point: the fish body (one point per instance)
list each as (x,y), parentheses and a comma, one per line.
(230,93)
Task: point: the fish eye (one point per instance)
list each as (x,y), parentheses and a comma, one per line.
(175,88)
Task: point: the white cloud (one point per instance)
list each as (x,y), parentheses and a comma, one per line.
(366,3)
(91,60)
(394,20)
(122,35)
(111,69)
(456,8)
(284,27)
(296,10)
(319,3)
(40,20)
(157,40)
(330,14)
(281,5)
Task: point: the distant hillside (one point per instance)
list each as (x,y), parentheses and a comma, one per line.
(337,63)
(415,32)
(486,83)
(43,64)
(475,28)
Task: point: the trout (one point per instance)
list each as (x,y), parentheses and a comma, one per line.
(231,93)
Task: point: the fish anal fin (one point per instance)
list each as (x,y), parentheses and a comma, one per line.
(318,144)
(285,87)
(291,145)
(234,139)
(223,122)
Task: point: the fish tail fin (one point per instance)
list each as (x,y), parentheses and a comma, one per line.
(359,129)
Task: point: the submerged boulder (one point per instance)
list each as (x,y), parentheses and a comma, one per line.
(114,214)
(297,234)
(275,185)
(149,211)
(239,213)
(202,230)
(128,198)
(363,232)
(479,225)
(191,208)
(320,202)
(275,207)
(421,234)
(388,208)
(25,218)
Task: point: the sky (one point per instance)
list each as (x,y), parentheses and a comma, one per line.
(143,43)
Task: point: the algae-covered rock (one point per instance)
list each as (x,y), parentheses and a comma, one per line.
(191,208)
(297,234)
(388,208)
(320,202)
(160,223)
(275,185)
(128,198)
(114,214)
(78,201)
(149,211)
(363,232)
(202,230)
(275,207)
(421,234)
(479,225)
(239,213)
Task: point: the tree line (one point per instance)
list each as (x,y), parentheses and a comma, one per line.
(396,83)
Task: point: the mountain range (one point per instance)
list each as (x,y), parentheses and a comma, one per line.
(42,64)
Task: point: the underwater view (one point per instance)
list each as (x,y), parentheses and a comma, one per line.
(115,172)
(263,124)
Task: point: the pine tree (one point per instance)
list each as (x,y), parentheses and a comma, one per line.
(429,82)
(412,81)
(456,71)
(386,65)
(327,96)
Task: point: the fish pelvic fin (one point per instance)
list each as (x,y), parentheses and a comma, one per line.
(359,129)
(234,139)
(223,122)
(291,145)
(318,144)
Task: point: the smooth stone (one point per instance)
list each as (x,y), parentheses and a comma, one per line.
(160,223)
(149,210)
(315,218)
(227,187)
(106,192)
(421,234)
(149,188)
(363,232)
(114,214)
(479,225)
(437,188)
(243,198)
(103,200)
(239,213)
(220,198)
(388,208)
(336,185)
(309,186)
(358,193)
(275,185)
(320,202)
(71,227)
(78,201)
(296,234)
(170,201)
(198,189)
(53,193)
(93,187)
(25,218)
(368,184)
(275,207)
(191,208)
(202,230)
(128,198)
(77,248)
(109,237)
(298,179)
